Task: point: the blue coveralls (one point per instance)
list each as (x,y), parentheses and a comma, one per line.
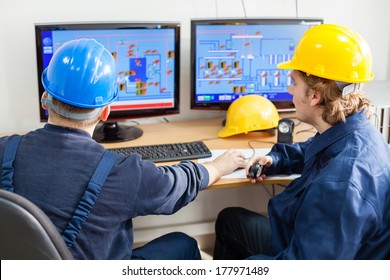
(338,209)
(55,164)
(88,200)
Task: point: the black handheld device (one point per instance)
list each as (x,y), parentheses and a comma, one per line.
(255,170)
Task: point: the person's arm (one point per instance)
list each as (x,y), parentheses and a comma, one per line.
(166,189)
(224,165)
(282,159)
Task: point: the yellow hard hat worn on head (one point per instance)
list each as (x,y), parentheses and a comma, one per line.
(332,52)
(249,113)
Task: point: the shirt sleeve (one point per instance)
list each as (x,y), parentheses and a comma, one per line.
(287,158)
(166,189)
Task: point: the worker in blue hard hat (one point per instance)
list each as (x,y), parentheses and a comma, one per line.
(89,193)
(81,74)
(79,83)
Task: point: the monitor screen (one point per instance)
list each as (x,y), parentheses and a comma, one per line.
(231,58)
(147,58)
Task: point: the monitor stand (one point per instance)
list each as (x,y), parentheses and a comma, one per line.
(111,132)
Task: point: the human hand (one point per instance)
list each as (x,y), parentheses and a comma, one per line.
(225,164)
(229,161)
(265,161)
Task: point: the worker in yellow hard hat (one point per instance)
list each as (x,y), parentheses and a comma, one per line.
(339,207)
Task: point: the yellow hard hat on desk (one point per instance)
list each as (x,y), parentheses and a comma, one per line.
(249,113)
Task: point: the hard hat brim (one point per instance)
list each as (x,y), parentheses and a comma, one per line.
(290,65)
(287,65)
(224,132)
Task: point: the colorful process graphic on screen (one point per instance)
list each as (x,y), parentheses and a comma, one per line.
(145,63)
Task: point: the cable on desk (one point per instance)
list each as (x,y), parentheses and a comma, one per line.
(312,129)
(208,139)
(260,141)
(253,148)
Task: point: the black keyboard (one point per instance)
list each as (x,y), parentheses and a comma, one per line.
(167,152)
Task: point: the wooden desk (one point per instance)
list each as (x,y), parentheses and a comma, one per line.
(207,131)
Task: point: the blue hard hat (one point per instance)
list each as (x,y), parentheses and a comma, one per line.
(82,73)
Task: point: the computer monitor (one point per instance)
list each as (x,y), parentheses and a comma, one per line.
(147,57)
(231,58)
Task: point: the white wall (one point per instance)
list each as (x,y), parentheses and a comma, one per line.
(19,101)
(18,74)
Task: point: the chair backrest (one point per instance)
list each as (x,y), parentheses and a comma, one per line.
(26,231)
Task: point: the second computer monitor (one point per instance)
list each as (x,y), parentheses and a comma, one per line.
(231,58)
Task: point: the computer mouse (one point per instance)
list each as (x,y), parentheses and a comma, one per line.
(255,170)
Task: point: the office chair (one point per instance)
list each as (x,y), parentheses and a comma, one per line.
(26,232)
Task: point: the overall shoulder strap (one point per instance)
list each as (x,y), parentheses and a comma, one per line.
(81,213)
(8,162)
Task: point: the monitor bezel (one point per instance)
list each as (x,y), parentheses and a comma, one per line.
(117,115)
(281,106)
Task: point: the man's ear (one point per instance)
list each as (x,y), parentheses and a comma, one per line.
(44,95)
(106,113)
(315,98)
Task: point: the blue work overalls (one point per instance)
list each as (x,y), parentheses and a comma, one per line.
(80,214)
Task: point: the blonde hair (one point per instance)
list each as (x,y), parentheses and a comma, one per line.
(61,120)
(337,107)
